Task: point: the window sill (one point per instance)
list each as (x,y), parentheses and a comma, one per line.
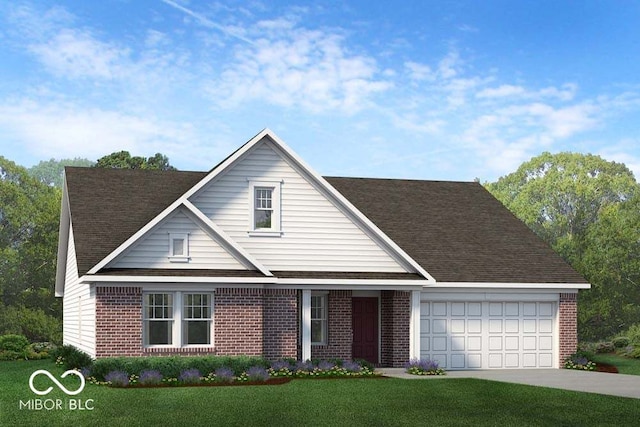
(179,259)
(265,233)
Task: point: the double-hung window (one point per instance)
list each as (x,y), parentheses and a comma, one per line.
(264,208)
(196,319)
(158,319)
(177,319)
(319,319)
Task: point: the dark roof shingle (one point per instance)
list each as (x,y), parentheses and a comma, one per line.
(456,231)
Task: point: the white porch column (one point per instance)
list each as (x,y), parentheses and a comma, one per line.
(306,325)
(414,326)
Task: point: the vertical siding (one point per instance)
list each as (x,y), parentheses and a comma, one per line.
(317,236)
(78,316)
(153,250)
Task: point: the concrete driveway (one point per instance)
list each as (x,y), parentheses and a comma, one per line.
(567,379)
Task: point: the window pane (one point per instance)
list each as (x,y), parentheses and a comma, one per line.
(178,247)
(262,218)
(317,331)
(197,332)
(158,332)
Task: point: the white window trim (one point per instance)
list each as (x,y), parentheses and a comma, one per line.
(185,255)
(176,327)
(276,220)
(325,295)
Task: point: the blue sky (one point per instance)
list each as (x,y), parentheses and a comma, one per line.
(408,89)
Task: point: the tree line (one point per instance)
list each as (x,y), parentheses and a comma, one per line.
(586,208)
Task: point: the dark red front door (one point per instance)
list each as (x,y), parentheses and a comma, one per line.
(365,329)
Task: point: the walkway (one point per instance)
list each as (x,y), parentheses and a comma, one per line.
(567,379)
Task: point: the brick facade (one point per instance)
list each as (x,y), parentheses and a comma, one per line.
(568,322)
(118,321)
(280,332)
(340,333)
(238,321)
(396,317)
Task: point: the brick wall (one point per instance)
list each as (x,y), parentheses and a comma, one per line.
(340,334)
(238,321)
(118,321)
(396,317)
(280,331)
(568,320)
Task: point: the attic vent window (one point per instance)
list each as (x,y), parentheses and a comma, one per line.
(178,247)
(264,204)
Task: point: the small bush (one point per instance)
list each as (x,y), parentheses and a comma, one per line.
(257,373)
(580,360)
(351,366)
(224,375)
(634,334)
(150,377)
(605,347)
(621,342)
(423,367)
(117,378)
(14,342)
(190,376)
(72,357)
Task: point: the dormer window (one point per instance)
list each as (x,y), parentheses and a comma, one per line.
(264,217)
(178,247)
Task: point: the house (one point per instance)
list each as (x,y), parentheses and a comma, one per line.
(263,256)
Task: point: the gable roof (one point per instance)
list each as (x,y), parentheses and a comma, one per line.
(458,231)
(455,230)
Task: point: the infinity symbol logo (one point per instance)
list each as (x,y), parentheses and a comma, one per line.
(52,378)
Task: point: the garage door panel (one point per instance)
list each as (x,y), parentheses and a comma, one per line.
(490,334)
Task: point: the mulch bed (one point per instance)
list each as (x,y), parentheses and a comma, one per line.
(603,367)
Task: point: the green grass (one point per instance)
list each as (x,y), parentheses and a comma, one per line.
(378,402)
(625,365)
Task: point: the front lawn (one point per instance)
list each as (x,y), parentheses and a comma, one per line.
(625,365)
(312,402)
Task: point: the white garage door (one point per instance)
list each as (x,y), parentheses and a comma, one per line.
(485,335)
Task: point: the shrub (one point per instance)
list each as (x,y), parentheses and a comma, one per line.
(71,357)
(621,342)
(224,375)
(605,347)
(14,342)
(580,360)
(423,367)
(304,366)
(631,352)
(326,365)
(117,378)
(634,334)
(257,373)
(351,366)
(150,377)
(33,323)
(190,376)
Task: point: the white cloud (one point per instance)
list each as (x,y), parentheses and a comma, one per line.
(75,53)
(296,67)
(66,130)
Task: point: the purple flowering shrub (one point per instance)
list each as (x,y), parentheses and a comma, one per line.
(117,378)
(224,375)
(150,377)
(423,367)
(580,360)
(257,373)
(326,365)
(353,367)
(190,376)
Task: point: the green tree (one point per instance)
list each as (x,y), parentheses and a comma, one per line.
(29,216)
(565,198)
(50,171)
(124,160)
(611,262)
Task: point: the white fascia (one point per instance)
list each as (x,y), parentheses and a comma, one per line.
(63,242)
(478,285)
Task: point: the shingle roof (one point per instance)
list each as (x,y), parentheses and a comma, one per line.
(456,231)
